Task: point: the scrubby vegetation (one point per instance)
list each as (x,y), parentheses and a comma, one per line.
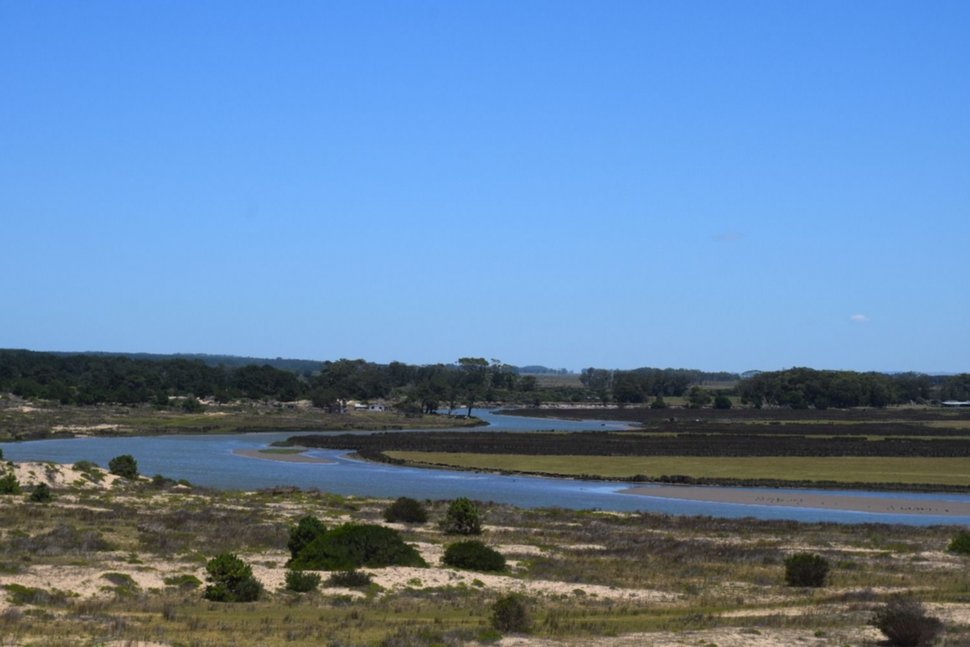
(354,545)
(122,564)
(960,543)
(406,510)
(303,533)
(9,484)
(806,569)
(905,623)
(510,614)
(41,493)
(124,466)
(350,579)
(302,581)
(474,555)
(462,518)
(231,580)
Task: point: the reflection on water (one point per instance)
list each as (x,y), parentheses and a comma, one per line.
(209,460)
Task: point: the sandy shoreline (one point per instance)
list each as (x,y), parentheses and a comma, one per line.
(282,458)
(888,505)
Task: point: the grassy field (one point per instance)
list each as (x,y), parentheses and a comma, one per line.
(843,469)
(108,564)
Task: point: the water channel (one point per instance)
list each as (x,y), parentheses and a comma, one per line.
(210,460)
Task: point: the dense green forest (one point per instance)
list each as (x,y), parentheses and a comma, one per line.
(92,378)
(801,388)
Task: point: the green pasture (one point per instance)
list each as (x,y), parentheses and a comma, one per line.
(849,469)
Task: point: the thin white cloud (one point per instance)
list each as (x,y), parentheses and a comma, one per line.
(728,236)
(859,318)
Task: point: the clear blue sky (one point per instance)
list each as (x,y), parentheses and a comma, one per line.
(716,185)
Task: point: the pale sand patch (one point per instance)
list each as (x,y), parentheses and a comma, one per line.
(82,430)
(86,581)
(282,458)
(895,505)
(726,637)
(401,577)
(60,475)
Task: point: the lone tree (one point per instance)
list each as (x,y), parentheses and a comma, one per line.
(462,518)
(124,466)
(231,580)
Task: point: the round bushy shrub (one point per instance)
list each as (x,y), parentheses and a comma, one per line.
(306,530)
(904,622)
(960,543)
(806,569)
(302,581)
(473,555)
(349,579)
(41,494)
(231,580)
(509,614)
(462,518)
(124,466)
(9,484)
(406,510)
(354,545)
(722,402)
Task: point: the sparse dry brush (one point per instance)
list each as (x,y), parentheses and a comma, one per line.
(145,551)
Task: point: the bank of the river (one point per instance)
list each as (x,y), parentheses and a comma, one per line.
(21,420)
(880,474)
(211,460)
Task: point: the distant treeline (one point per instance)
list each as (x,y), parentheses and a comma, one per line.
(92,378)
(800,388)
(299,366)
(642,384)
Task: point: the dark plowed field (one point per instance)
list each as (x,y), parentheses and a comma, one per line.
(639,444)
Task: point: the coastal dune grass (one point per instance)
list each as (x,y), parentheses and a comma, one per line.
(848,469)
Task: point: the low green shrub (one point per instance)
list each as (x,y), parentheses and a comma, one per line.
(806,569)
(9,484)
(960,543)
(124,584)
(19,594)
(406,510)
(510,614)
(350,579)
(231,580)
(124,466)
(305,531)
(904,622)
(462,518)
(354,545)
(183,581)
(302,581)
(474,556)
(41,494)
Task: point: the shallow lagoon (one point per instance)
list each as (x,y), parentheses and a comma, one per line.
(209,460)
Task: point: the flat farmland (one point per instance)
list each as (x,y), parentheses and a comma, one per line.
(845,469)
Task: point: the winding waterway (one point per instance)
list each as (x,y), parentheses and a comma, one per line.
(209,460)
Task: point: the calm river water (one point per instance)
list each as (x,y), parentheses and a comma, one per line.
(209,460)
